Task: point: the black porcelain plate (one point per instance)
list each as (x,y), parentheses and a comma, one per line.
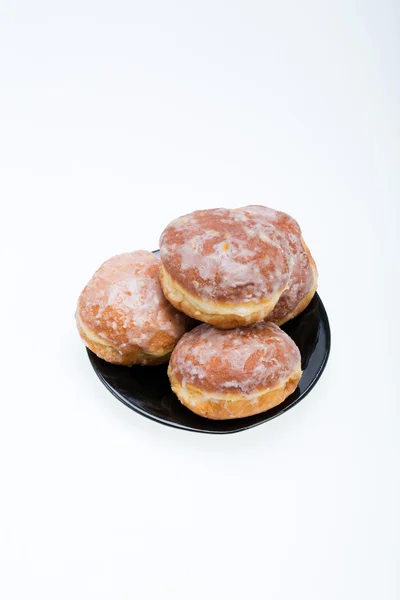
(147,391)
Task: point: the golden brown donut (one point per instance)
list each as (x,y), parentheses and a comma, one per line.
(303,278)
(226,374)
(220,267)
(123,316)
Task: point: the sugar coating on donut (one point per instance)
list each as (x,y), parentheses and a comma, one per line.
(244,360)
(301,278)
(124,305)
(223,254)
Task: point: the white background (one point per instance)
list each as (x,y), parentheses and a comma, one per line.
(115,118)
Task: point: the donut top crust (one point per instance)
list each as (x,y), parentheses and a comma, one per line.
(244,360)
(224,255)
(301,278)
(124,305)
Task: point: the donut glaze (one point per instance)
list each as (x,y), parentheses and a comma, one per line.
(122,314)
(303,271)
(221,262)
(233,373)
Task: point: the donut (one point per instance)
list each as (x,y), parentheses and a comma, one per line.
(219,266)
(303,278)
(123,316)
(227,374)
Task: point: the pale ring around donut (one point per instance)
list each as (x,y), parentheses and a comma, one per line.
(224,315)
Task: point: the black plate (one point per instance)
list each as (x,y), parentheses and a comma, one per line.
(147,391)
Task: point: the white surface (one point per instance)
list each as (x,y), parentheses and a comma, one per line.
(114,119)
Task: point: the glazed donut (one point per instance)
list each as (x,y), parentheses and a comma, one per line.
(303,278)
(123,316)
(221,267)
(226,374)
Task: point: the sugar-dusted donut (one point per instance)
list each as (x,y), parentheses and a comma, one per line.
(123,316)
(226,374)
(303,278)
(220,267)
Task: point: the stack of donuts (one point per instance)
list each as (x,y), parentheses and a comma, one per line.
(242,273)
